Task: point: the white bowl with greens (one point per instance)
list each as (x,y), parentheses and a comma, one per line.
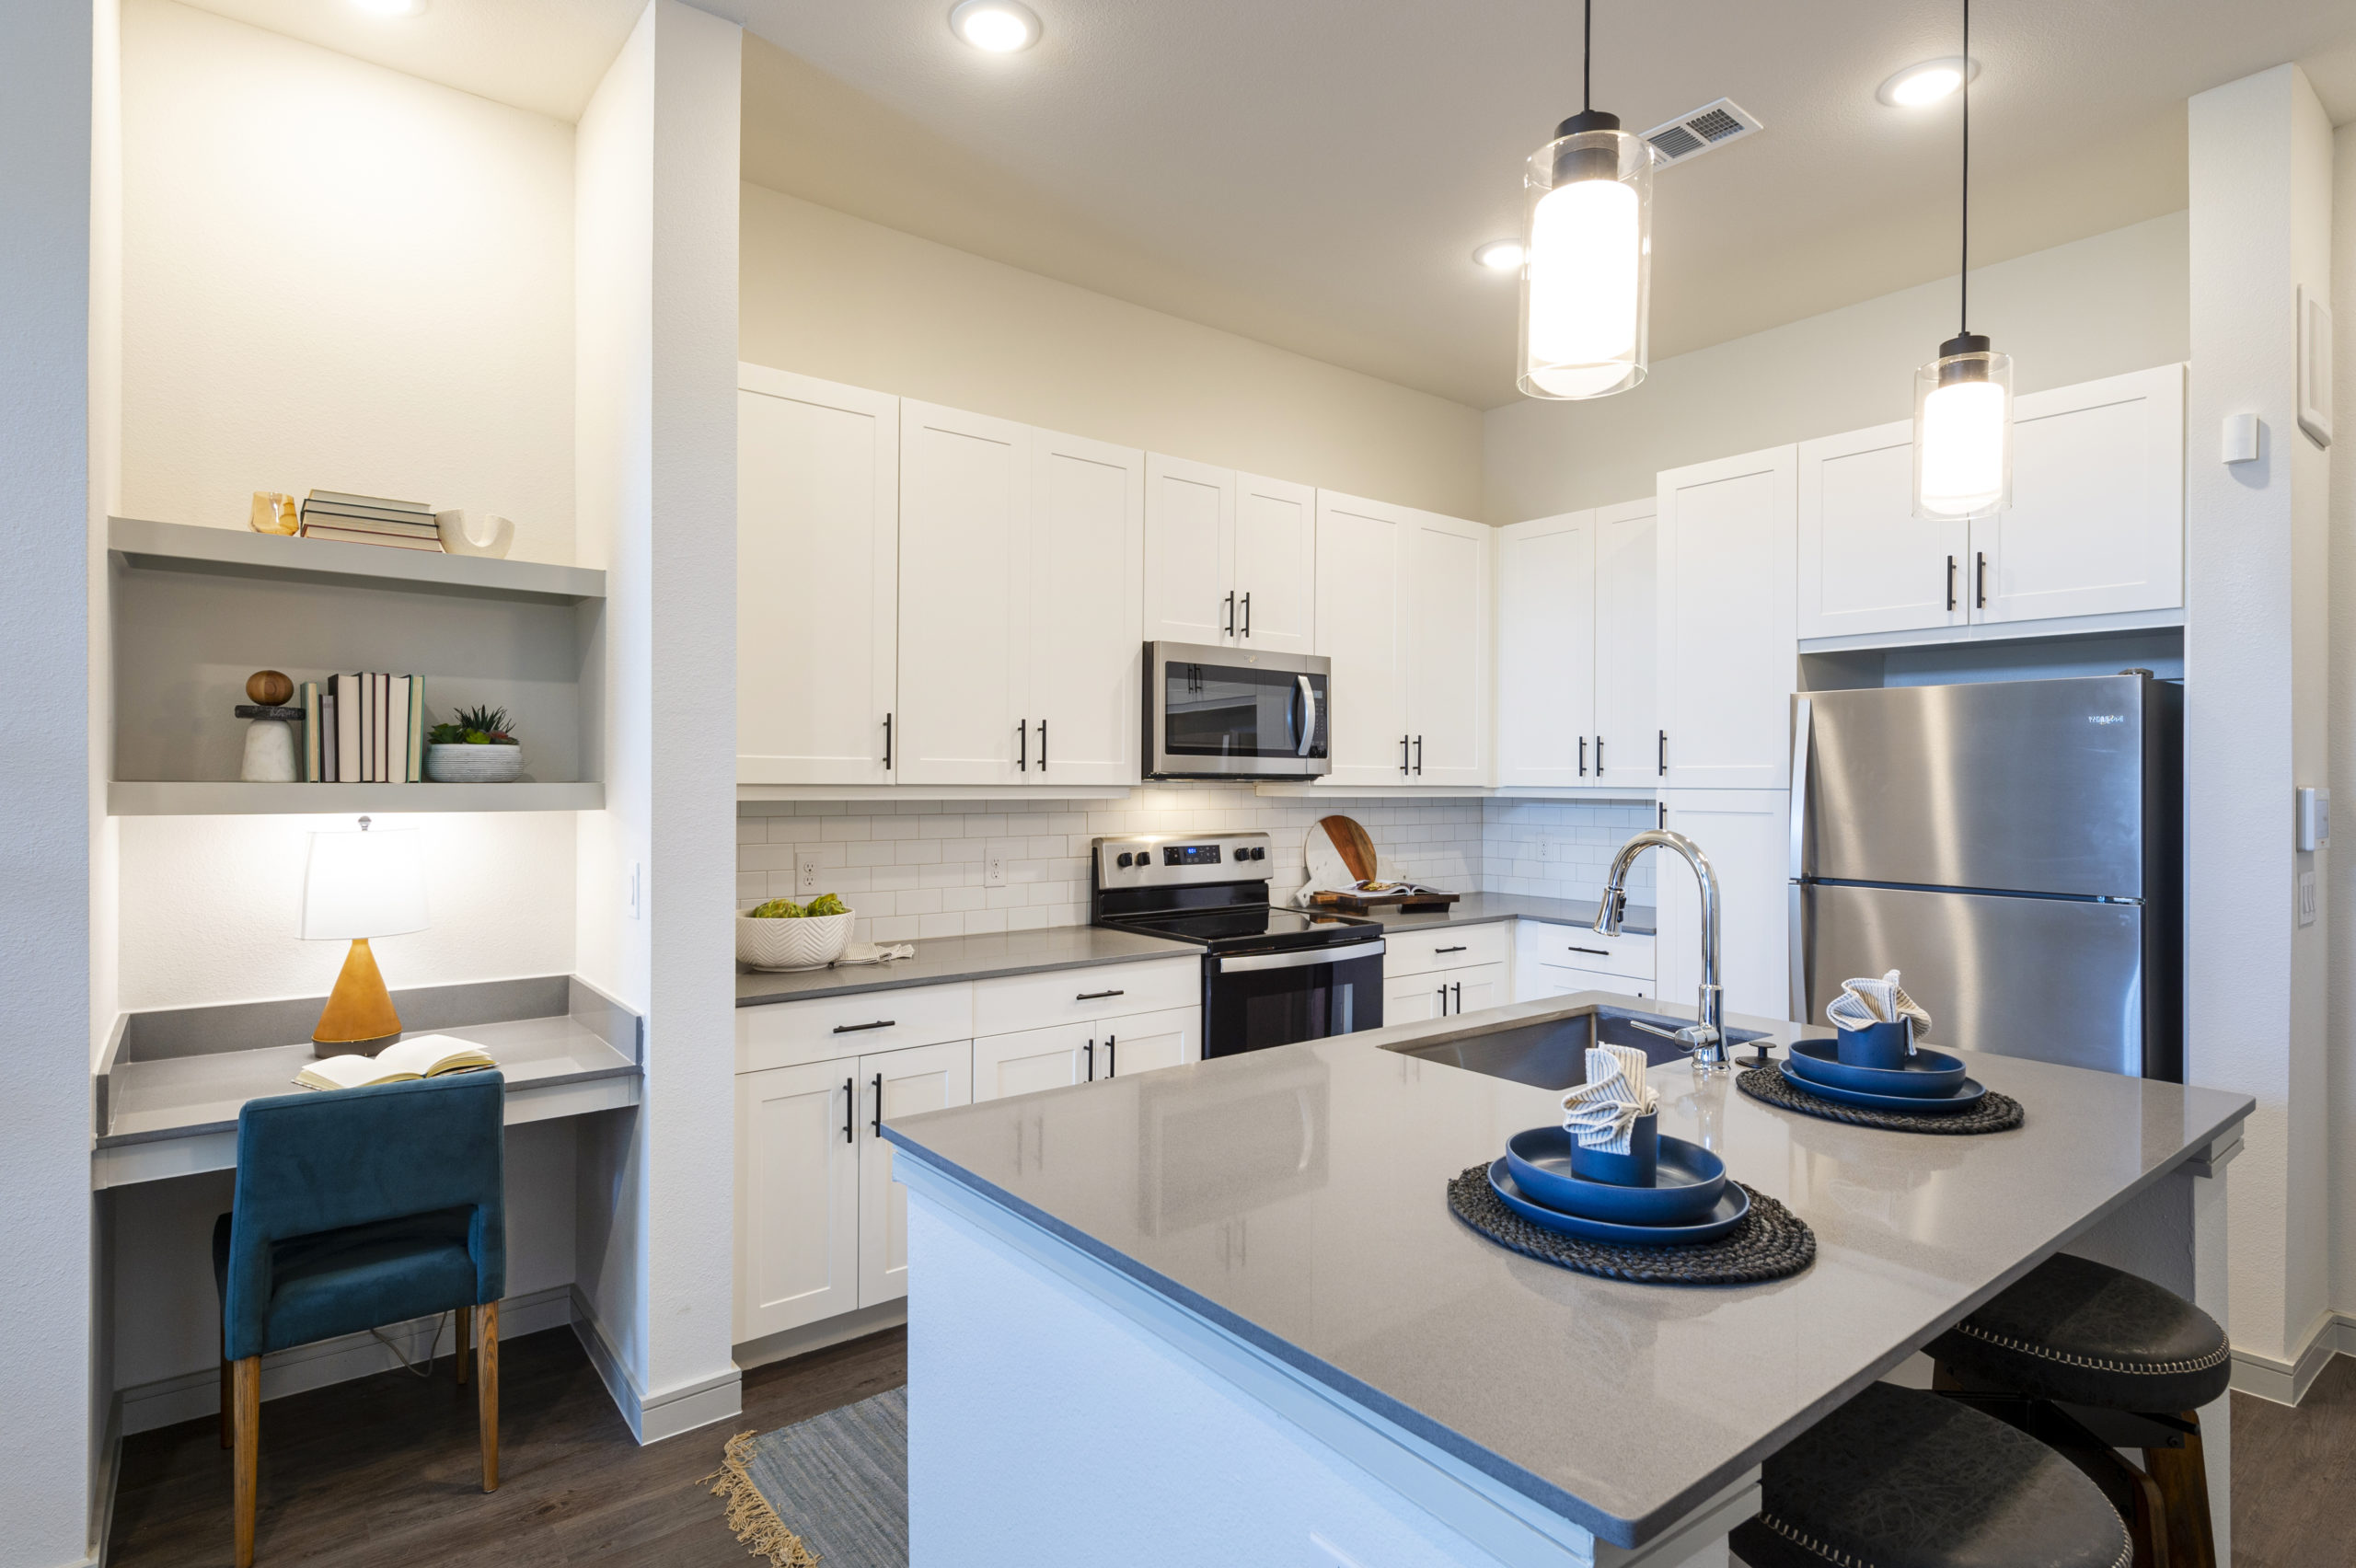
(782,934)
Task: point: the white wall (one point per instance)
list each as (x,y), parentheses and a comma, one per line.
(2340,1030)
(339,276)
(835,296)
(48,65)
(2096,307)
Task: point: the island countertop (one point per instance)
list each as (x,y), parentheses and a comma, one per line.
(1616,1406)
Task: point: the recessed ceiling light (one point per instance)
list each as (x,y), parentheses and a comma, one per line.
(1926,83)
(1001,27)
(1499,255)
(391,7)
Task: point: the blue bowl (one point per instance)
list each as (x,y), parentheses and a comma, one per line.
(1691,1179)
(1968,1094)
(1733,1205)
(1876,1045)
(1926,1073)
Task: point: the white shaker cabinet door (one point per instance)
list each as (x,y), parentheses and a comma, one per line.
(1546,650)
(899,1083)
(1033,1059)
(2096,524)
(964,515)
(1189,550)
(1447,649)
(1626,569)
(1361,626)
(797,1196)
(1140,1042)
(1083,573)
(1867,562)
(817,569)
(1414,998)
(1747,835)
(1275,565)
(1729,652)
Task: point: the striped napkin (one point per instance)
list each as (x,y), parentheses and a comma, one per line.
(1866,1002)
(1601,1113)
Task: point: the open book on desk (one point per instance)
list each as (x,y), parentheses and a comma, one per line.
(428,1056)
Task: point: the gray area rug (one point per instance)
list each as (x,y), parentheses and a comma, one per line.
(831,1489)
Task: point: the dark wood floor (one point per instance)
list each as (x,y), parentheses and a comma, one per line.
(383,1472)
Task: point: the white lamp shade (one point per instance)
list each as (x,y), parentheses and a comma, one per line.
(1963,436)
(1587,265)
(364,884)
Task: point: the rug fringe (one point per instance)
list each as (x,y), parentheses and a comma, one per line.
(749,1514)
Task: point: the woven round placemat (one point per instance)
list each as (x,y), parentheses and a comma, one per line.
(1771,1243)
(1996,1113)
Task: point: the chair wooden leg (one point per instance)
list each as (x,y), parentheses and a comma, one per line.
(487,1395)
(248,1422)
(227,1426)
(466,1342)
(2183,1478)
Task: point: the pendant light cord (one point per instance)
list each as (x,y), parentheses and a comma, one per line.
(1963,271)
(1587,57)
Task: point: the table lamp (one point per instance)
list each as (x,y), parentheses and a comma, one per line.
(362,884)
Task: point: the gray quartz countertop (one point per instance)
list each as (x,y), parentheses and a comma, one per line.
(1618,1406)
(1482,908)
(944,960)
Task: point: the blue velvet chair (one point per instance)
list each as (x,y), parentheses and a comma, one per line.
(356,1208)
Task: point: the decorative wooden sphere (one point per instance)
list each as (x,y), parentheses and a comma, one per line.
(268,688)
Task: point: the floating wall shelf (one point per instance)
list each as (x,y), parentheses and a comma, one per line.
(206,798)
(180,547)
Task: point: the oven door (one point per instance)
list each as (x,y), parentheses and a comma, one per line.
(1251,1001)
(1224,712)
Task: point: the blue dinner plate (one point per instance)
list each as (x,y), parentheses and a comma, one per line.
(1728,1213)
(1963,1098)
(1929,1072)
(1691,1179)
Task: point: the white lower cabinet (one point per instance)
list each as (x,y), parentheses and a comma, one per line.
(1443,993)
(1062,1055)
(797,1196)
(899,1083)
(1553,961)
(1554,980)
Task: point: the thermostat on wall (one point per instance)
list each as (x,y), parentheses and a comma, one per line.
(2315,818)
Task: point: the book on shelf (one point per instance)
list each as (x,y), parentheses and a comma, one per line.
(416,751)
(361,537)
(378,503)
(371,728)
(427,1055)
(328,774)
(399,528)
(309,695)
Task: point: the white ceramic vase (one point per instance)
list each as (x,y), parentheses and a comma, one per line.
(475,533)
(463,764)
(270,753)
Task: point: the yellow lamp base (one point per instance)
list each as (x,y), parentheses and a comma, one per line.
(359,1019)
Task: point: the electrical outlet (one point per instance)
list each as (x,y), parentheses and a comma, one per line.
(2306,898)
(637,895)
(994,868)
(1545,849)
(805,876)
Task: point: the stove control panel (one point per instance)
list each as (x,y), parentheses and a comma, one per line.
(1168,859)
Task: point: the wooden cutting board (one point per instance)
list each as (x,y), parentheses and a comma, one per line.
(1350,841)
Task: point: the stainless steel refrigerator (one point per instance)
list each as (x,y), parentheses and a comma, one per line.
(2015,847)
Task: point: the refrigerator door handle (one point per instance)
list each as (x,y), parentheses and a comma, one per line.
(1796,930)
(1802,717)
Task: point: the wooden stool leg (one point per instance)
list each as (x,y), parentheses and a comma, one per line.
(487,1396)
(466,1342)
(248,1422)
(227,1426)
(2183,1478)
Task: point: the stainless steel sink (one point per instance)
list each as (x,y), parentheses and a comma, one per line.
(1552,1054)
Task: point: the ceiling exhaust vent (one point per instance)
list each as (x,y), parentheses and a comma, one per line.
(1690,136)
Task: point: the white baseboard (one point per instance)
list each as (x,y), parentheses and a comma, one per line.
(169,1400)
(826,1331)
(667,1412)
(2287,1382)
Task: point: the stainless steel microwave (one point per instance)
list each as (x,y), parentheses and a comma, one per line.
(1215,713)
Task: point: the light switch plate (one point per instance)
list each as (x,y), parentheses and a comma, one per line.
(2306,898)
(2314,818)
(2239,440)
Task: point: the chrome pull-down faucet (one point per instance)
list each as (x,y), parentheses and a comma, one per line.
(1706,1037)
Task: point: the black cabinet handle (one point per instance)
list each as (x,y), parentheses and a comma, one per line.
(879,1105)
(1098,996)
(863,1028)
(1247,615)
(1582,756)
(1112,1062)
(1599,756)
(1599,952)
(1231,613)
(851,1109)
(1403,756)
(1664,753)
(1951,584)
(1419,757)
(887,743)
(1981,590)
(1022,746)
(1436,951)
(1042,745)
(1458,989)
(1664,815)
(1443,1001)
(1092,1061)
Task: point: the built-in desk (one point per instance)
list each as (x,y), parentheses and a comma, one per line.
(170,1083)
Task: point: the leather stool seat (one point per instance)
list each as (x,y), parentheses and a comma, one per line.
(1898,1478)
(2088,1334)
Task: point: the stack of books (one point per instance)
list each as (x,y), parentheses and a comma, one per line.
(365,727)
(369,520)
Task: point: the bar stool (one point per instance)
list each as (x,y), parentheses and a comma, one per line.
(2091,1360)
(1898,1478)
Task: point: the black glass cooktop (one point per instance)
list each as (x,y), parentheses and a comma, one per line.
(1255,924)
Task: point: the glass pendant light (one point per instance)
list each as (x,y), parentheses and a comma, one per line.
(1587,253)
(1963,399)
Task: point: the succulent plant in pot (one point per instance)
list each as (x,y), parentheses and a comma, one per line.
(476,747)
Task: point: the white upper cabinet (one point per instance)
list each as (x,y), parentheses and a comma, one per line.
(964,505)
(1546,650)
(1747,835)
(1866,563)
(1083,579)
(1625,710)
(1727,641)
(1275,565)
(817,572)
(2096,524)
(1447,649)
(1361,626)
(1189,550)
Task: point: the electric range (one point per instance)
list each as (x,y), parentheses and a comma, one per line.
(1271,976)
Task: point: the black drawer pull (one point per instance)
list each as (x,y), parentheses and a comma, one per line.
(851,1109)
(1098,996)
(1436,951)
(1599,952)
(862,1028)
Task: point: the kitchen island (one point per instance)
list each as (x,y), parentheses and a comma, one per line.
(1222,1312)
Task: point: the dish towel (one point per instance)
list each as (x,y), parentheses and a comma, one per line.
(1866,1002)
(870,952)
(1601,1113)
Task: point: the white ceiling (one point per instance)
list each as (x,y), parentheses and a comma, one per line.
(1315,173)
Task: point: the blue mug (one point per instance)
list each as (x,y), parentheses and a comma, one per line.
(1876,1045)
(1640,1167)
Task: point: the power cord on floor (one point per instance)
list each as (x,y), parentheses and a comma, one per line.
(415,1368)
